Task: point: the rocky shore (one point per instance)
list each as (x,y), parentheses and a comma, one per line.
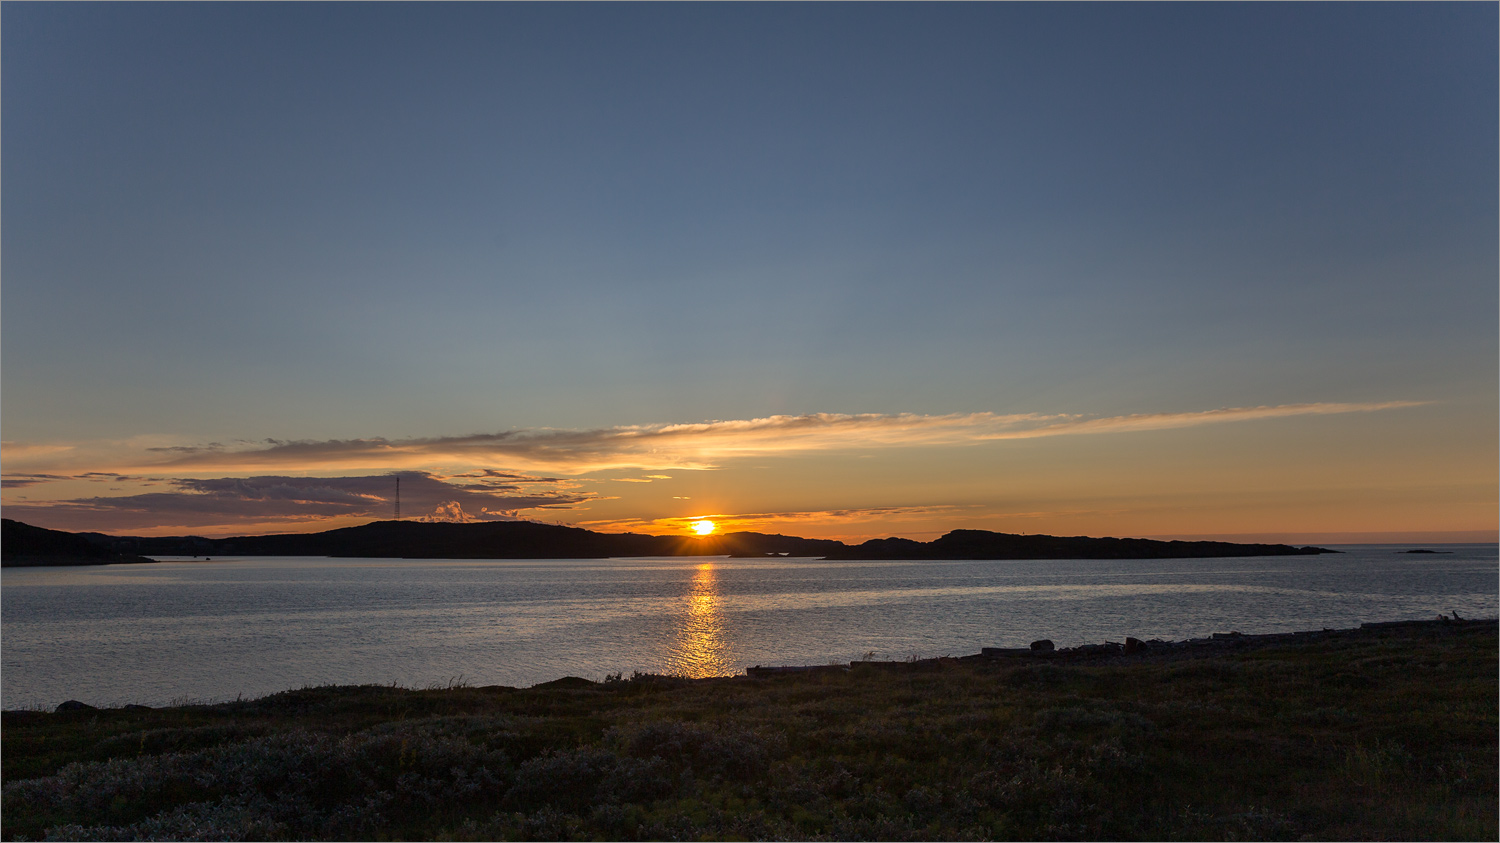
(1043,651)
(1133,650)
(1385,732)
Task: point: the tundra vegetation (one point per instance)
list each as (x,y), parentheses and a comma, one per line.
(1375,734)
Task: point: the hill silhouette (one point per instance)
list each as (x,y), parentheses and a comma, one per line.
(983,544)
(22,545)
(530,540)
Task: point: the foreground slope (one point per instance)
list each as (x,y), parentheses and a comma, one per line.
(1385,733)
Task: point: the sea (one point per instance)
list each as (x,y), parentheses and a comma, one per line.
(196,630)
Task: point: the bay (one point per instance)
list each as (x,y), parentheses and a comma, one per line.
(194,630)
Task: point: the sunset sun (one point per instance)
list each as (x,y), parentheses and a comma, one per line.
(703,527)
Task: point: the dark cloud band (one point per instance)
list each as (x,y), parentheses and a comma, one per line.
(273,498)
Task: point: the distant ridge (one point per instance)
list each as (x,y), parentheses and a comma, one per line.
(22,545)
(983,544)
(529,540)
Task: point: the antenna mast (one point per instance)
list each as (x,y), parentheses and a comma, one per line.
(398,497)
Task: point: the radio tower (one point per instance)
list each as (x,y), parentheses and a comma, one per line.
(398,497)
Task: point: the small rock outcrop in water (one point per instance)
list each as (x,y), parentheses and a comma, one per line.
(75,705)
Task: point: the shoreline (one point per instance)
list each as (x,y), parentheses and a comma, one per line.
(1135,651)
(1131,651)
(1386,731)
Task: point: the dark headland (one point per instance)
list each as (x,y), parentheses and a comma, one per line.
(24,544)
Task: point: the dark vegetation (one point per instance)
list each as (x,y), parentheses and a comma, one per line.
(22,545)
(1382,733)
(528,540)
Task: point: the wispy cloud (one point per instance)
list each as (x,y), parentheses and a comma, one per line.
(529,464)
(223,502)
(772,521)
(21,481)
(33,450)
(1167,421)
(705,444)
(18,481)
(490,475)
(850,525)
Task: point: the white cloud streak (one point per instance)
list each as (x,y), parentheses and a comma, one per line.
(702,445)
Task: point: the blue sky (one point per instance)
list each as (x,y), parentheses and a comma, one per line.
(225,224)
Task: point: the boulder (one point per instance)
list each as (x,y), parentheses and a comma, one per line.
(1043,646)
(75,705)
(1135,645)
(993,652)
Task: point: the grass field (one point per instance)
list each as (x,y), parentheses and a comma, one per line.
(1374,734)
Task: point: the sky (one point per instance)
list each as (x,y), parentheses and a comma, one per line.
(830,270)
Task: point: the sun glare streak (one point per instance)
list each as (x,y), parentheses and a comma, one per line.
(699,650)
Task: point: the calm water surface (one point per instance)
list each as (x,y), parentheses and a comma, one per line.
(196,630)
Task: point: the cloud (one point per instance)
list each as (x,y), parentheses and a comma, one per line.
(194,449)
(490,475)
(27,450)
(21,481)
(706,445)
(763,521)
(851,525)
(226,501)
(451,512)
(1167,421)
(113,477)
(18,481)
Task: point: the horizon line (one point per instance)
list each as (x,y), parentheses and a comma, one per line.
(1342,537)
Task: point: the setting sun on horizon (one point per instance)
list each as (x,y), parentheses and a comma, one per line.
(703,527)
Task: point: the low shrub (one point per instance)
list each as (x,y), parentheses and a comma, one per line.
(1195,747)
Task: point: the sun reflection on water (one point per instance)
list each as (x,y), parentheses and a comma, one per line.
(699,650)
